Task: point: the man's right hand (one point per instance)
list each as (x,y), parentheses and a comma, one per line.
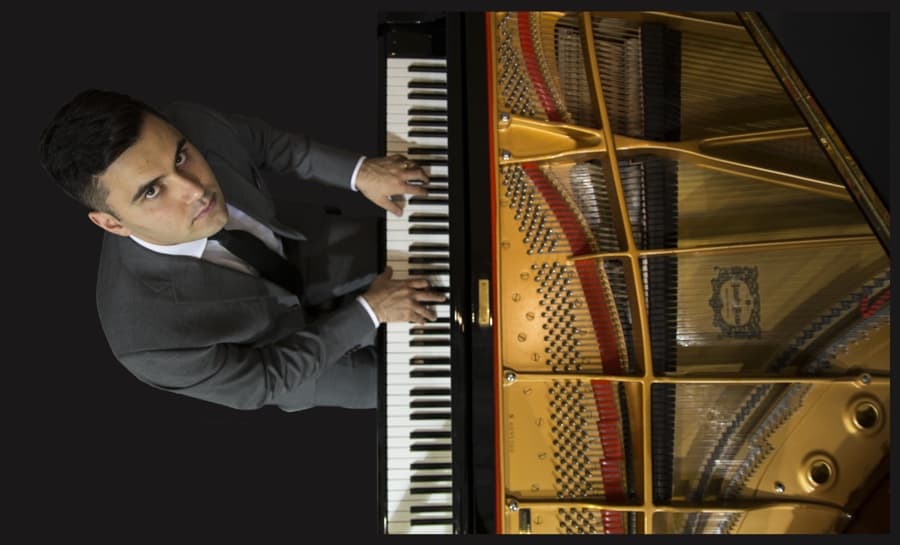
(402,300)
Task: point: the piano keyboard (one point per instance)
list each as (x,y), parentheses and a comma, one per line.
(418,480)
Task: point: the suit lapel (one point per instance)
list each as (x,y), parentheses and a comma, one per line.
(187,279)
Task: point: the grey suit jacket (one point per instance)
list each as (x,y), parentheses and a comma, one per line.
(196,328)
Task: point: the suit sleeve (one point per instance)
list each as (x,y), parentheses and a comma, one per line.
(278,372)
(267,147)
(286,152)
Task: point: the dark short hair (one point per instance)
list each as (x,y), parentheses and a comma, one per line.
(85,136)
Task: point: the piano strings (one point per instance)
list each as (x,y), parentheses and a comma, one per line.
(640,160)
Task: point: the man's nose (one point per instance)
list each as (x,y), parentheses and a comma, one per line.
(188,188)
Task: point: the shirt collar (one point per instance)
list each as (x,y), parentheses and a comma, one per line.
(193,248)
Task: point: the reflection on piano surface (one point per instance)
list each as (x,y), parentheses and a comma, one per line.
(690,287)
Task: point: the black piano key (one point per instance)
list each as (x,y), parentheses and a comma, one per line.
(430,342)
(433,68)
(429,404)
(440,289)
(428,218)
(430,465)
(429,201)
(428,247)
(426,96)
(428,224)
(416,84)
(427,360)
(428,134)
(428,271)
(430,447)
(429,331)
(429,373)
(430,162)
(430,489)
(437,179)
(427,123)
(425,392)
(427,151)
(430,478)
(425,434)
(430,521)
(429,508)
(428,230)
(429,416)
(426,111)
(435,191)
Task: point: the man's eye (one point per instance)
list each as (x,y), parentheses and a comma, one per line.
(151,192)
(180,158)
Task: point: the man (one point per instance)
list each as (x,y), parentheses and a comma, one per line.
(192,304)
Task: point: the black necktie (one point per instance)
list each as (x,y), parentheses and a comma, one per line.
(270,265)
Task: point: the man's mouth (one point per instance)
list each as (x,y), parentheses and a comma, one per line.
(205,210)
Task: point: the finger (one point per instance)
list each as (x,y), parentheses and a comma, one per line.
(425,312)
(420,174)
(414,172)
(418,283)
(414,189)
(391,206)
(397,157)
(431,296)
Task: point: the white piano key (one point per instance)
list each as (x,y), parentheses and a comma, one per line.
(402,425)
(404,459)
(402,505)
(404,352)
(399,435)
(402,385)
(399,415)
(403,527)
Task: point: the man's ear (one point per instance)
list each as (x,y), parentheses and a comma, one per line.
(108,222)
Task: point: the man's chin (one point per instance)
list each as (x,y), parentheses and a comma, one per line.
(214,221)
(219,215)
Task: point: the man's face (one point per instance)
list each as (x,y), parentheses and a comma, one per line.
(161,189)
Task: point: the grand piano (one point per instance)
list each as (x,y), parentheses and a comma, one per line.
(669,283)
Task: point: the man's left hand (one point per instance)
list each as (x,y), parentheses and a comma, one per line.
(381,178)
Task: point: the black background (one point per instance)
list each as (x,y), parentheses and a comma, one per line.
(92,452)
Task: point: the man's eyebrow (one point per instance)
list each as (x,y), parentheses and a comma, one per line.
(144,187)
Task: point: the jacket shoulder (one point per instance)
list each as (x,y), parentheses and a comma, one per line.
(204,126)
(185,111)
